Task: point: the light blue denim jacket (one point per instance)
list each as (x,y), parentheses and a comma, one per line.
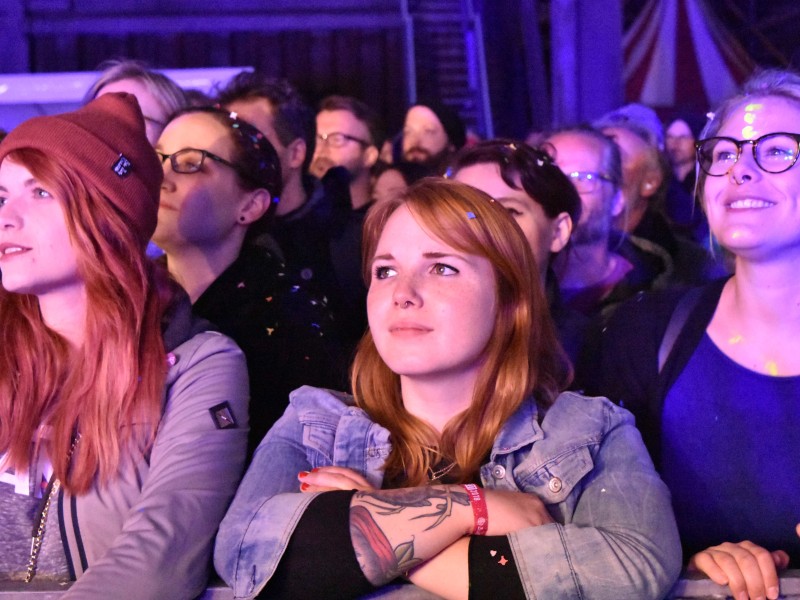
(614,537)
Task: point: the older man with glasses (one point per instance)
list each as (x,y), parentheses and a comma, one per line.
(605,266)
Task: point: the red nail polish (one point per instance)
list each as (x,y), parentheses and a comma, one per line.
(302,474)
(304,487)
(315,469)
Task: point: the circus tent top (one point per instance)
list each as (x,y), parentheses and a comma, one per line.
(678,55)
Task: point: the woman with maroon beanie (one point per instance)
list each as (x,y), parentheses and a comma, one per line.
(123,422)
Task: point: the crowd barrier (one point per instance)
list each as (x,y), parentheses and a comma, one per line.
(689,587)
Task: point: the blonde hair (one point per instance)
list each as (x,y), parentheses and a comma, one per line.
(768,83)
(522,357)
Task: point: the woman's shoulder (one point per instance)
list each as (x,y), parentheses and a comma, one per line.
(317,403)
(201,346)
(652,310)
(579,415)
(573,419)
(208,372)
(332,431)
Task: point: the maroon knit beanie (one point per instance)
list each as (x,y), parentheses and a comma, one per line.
(103,142)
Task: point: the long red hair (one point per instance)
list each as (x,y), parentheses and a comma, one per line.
(110,389)
(523,357)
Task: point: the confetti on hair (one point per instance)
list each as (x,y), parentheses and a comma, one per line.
(471,215)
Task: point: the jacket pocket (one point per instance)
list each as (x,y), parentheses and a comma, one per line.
(554,478)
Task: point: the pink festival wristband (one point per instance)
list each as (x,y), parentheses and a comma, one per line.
(479,511)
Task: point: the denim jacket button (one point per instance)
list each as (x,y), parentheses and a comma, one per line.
(498,472)
(554,485)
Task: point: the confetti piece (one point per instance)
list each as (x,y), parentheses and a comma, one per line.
(772,367)
(470,215)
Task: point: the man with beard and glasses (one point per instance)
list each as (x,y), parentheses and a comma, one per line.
(432,133)
(604,265)
(348,135)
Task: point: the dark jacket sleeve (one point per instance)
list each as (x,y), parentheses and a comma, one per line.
(307,569)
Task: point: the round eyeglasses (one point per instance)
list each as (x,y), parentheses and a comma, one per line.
(773,153)
(190,160)
(587,182)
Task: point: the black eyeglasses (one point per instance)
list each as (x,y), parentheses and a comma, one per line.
(337,139)
(190,160)
(773,153)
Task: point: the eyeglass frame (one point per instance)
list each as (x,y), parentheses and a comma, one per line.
(324,137)
(249,135)
(203,153)
(753,145)
(592,176)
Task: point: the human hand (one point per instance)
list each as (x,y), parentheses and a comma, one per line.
(319,166)
(749,570)
(512,511)
(326,479)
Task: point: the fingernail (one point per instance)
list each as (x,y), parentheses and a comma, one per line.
(773,593)
(302,474)
(304,487)
(315,469)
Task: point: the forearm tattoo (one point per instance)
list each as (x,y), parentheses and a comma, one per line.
(380,560)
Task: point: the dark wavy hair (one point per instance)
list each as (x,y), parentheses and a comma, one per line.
(538,177)
(292,117)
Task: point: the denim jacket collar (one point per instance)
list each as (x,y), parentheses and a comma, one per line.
(522,429)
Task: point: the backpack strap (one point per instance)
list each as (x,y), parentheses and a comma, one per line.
(677,320)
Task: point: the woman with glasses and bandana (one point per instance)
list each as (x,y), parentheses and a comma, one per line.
(123,419)
(221,186)
(713,375)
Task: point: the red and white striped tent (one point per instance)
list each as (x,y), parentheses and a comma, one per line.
(677,54)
